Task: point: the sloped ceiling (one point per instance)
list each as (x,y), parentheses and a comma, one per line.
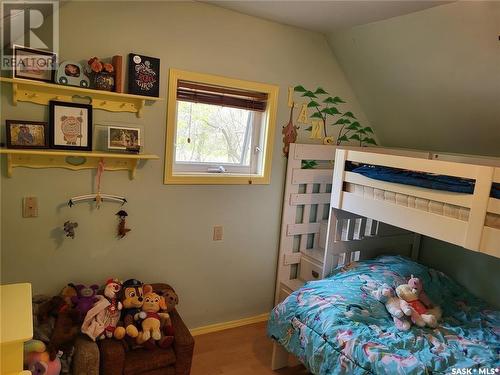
(326,16)
(429,80)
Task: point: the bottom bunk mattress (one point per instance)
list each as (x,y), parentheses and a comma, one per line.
(335,325)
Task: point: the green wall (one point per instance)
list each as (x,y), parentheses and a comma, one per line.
(171,238)
(430,80)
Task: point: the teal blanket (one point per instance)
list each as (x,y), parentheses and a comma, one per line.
(335,326)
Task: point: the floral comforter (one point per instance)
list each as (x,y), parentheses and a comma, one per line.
(335,326)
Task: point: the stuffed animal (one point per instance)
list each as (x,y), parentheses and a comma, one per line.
(151,324)
(415,309)
(102,319)
(132,299)
(37,359)
(67,293)
(171,300)
(386,295)
(66,325)
(85,298)
(416,284)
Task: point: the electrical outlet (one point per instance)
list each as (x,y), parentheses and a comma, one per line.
(30,207)
(218,232)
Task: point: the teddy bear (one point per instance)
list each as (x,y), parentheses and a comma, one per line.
(152,319)
(415,309)
(131,299)
(171,300)
(84,299)
(57,325)
(386,295)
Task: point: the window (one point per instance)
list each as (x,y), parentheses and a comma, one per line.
(219,130)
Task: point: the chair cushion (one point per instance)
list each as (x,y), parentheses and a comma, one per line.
(142,360)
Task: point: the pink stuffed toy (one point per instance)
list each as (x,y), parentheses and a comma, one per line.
(37,361)
(416,284)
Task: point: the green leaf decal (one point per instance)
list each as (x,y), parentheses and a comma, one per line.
(343,139)
(330,100)
(330,111)
(353,126)
(368,130)
(355,136)
(319,91)
(299,88)
(370,141)
(316,115)
(348,114)
(361,131)
(312,103)
(309,164)
(309,94)
(337,100)
(342,121)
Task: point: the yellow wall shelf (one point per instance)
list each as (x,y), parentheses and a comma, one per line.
(73,160)
(24,90)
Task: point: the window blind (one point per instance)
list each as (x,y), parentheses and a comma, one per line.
(219,95)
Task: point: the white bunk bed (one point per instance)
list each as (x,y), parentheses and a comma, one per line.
(305,222)
(468,220)
(368,217)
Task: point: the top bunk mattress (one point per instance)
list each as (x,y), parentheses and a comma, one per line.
(426,180)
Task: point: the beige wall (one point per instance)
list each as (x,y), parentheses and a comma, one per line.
(171,225)
(431,80)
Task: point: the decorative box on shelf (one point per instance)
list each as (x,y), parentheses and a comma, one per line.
(73,160)
(24,90)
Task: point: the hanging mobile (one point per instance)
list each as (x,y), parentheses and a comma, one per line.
(98,197)
(122,225)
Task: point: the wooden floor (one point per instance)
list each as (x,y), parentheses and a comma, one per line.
(239,351)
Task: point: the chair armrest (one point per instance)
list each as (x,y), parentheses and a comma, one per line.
(183,345)
(112,357)
(86,357)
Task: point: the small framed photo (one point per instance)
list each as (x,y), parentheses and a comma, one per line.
(121,138)
(27,134)
(34,64)
(70,126)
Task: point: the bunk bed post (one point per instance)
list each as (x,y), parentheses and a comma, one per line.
(288,216)
(279,358)
(478,208)
(338,177)
(415,247)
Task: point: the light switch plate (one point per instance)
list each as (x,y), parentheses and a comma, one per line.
(218,232)
(30,207)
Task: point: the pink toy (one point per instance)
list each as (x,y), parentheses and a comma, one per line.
(37,361)
(84,299)
(416,284)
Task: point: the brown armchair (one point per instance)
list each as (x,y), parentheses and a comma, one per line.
(110,357)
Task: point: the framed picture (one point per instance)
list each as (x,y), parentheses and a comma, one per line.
(70,126)
(34,64)
(143,75)
(120,138)
(27,134)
